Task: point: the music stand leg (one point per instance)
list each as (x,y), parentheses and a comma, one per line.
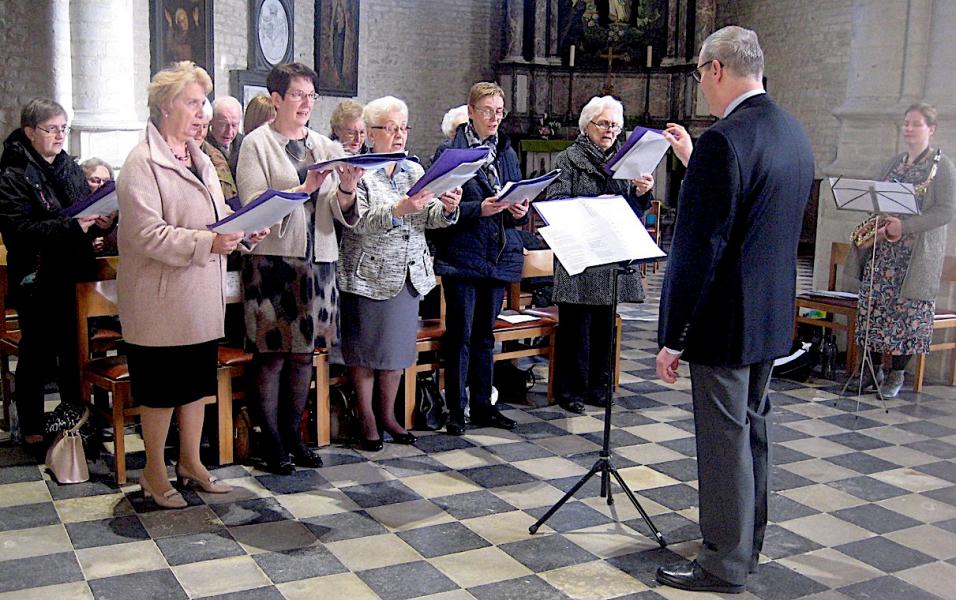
(867,360)
(603,464)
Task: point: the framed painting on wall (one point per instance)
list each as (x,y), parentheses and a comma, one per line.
(181,30)
(248,84)
(336,46)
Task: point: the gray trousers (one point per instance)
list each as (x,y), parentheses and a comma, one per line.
(731,407)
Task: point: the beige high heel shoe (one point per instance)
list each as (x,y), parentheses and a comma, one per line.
(171,498)
(212,485)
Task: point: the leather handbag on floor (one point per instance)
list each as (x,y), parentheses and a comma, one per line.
(430,410)
(65,458)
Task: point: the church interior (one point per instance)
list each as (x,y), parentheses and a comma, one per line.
(862,501)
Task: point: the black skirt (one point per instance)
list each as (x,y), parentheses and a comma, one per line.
(170,376)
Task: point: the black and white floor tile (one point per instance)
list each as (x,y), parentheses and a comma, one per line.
(864,506)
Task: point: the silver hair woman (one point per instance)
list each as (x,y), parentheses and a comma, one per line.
(384,271)
(584,300)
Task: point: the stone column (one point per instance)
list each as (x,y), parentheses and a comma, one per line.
(62,67)
(105,124)
(514,30)
(940,84)
(540,32)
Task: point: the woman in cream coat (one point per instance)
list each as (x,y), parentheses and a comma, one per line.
(170,280)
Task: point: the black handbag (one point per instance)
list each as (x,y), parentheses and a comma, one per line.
(430,411)
(513,383)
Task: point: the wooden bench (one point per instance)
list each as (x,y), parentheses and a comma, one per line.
(945,317)
(96,299)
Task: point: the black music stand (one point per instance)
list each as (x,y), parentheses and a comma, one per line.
(879,198)
(603,463)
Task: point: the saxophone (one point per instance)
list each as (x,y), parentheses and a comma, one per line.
(864,233)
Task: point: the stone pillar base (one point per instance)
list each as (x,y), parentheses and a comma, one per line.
(110,142)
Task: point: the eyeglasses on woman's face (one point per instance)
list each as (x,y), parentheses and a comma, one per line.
(392,129)
(489,114)
(54,129)
(608,126)
(299,95)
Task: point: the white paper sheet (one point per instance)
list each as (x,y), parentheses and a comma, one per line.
(587,232)
(366,161)
(642,157)
(104,206)
(864,195)
(451,180)
(515,192)
(260,213)
(516,319)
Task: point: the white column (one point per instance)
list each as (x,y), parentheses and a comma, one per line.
(62,68)
(105,124)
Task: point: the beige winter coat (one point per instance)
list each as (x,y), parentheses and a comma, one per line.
(170,284)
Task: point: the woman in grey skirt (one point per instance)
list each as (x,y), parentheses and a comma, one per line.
(384,270)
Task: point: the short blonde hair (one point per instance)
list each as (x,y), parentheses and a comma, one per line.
(345,112)
(377,110)
(259,111)
(170,82)
(596,106)
(483,89)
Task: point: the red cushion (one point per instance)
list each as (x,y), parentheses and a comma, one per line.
(233,356)
(111,367)
(429,329)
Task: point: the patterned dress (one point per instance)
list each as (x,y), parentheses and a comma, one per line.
(898,325)
(291,304)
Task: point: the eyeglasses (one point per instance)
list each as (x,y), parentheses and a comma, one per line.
(97,180)
(55,130)
(393,129)
(696,73)
(299,95)
(353,133)
(488,114)
(605,126)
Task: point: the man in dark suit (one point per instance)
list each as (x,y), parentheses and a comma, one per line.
(727,301)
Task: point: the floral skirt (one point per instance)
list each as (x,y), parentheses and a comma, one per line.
(897,325)
(291,304)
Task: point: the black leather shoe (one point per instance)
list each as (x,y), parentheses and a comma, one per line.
(453,428)
(692,577)
(280,467)
(406,438)
(575,407)
(370,445)
(307,457)
(494,419)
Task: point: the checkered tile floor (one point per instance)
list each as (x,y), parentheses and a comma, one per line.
(864,506)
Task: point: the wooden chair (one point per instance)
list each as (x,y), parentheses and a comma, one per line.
(540,263)
(95,299)
(846,308)
(652,222)
(944,319)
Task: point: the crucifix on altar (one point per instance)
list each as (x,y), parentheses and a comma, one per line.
(610,55)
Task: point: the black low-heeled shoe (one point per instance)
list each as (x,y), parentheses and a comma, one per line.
(406,438)
(307,458)
(280,467)
(453,428)
(370,445)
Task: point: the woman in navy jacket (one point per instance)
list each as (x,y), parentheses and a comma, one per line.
(476,258)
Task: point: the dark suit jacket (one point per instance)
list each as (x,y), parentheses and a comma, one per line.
(232,156)
(728,295)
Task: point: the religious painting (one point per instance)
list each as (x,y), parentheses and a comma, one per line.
(625,28)
(336,46)
(181,30)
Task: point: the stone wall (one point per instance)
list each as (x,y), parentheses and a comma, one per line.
(806,46)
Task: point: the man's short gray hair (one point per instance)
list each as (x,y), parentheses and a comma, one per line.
(736,49)
(226,102)
(377,110)
(596,106)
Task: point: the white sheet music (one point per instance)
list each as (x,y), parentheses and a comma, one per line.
(454,178)
(106,205)
(642,157)
(265,211)
(865,195)
(587,232)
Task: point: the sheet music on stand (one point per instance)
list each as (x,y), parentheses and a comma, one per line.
(588,232)
(867,195)
(640,154)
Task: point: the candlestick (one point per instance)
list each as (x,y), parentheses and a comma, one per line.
(571,58)
(650,56)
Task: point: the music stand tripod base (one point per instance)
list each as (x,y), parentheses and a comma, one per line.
(603,464)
